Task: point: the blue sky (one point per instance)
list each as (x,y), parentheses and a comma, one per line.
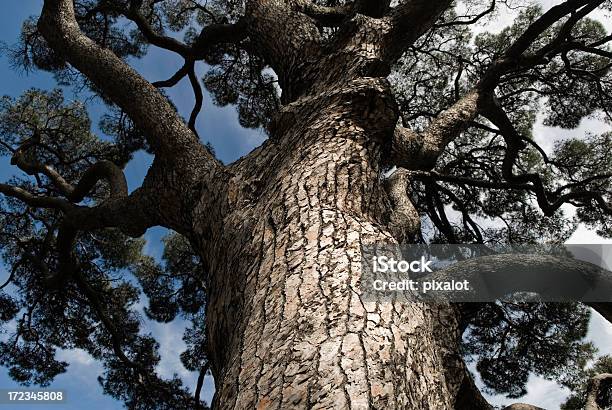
(220,127)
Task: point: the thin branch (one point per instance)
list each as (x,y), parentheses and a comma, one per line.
(33,200)
(199,385)
(435,176)
(473,20)
(197,91)
(11,274)
(176,77)
(495,113)
(34,168)
(116,341)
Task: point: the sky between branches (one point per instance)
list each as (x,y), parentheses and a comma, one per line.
(220,127)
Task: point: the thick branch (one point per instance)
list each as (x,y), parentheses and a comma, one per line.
(502,274)
(198,390)
(604,309)
(150,111)
(287,39)
(469,396)
(214,34)
(599,393)
(407,22)
(102,170)
(545,21)
(405,222)
(324,15)
(413,151)
(372,8)
(450,123)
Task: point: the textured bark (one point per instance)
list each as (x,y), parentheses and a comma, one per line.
(287,325)
(599,394)
(288,328)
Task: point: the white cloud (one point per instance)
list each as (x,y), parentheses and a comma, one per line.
(541,392)
(600,332)
(76,356)
(171,345)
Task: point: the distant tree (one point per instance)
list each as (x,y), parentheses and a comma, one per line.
(265,260)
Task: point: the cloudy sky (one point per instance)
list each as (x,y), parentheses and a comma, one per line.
(221,128)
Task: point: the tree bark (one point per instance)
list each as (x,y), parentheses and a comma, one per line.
(280,231)
(287,325)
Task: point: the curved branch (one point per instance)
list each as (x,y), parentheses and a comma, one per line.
(149,33)
(197,91)
(165,131)
(218,34)
(469,396)
(604,309)
(176,77)
(419,151)
(14,268)
(522,406)
(209,36)
(102,170)
(473,20)
(33,168)
(199,385)
(493,111)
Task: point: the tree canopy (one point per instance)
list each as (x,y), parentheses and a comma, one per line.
(469,99)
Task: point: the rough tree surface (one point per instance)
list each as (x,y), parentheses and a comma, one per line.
(267,260)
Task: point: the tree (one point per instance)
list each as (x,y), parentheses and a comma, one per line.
(588,391)
(265,261)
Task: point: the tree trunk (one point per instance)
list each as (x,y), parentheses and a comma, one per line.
(287,325)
